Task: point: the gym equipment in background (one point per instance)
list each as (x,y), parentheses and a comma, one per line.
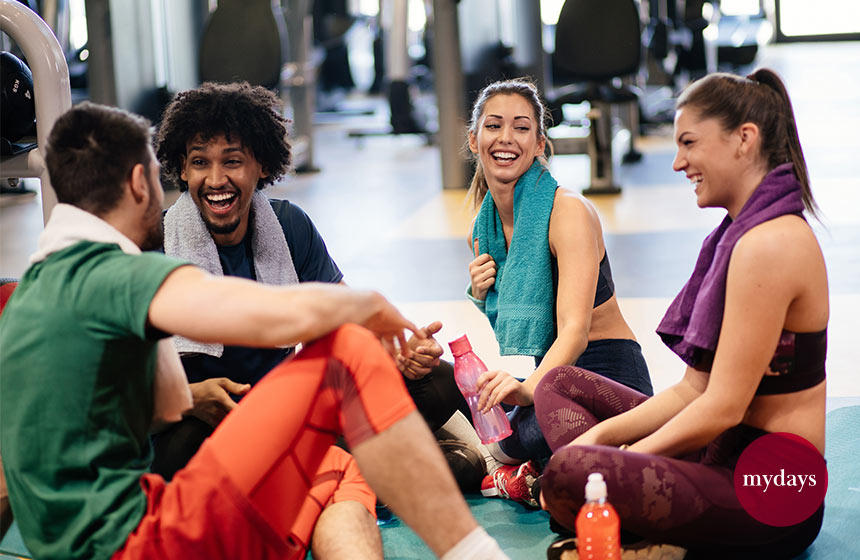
(596,45)
(391,59)
(51,92)
(244,40)
(498,39)
(17,104)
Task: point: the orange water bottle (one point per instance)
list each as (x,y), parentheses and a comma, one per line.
(597,525)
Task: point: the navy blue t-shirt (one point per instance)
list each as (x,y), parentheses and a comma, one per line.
(312,263)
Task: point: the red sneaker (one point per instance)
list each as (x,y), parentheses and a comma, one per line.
(513,482)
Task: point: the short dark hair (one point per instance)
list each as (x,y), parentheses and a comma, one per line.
(251,113)
(91,151)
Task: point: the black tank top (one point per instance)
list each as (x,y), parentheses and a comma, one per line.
(797,364)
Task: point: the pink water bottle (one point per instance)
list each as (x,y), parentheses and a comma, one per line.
(493,425)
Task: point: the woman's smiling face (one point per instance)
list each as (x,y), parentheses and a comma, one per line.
(506,139)
(707,155)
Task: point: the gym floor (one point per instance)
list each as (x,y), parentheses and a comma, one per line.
(390,226)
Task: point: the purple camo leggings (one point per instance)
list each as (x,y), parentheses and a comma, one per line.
(688,501)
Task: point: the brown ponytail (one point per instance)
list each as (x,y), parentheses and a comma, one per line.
(762,99)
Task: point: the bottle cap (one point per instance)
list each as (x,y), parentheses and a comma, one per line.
(595,488)
(460,346)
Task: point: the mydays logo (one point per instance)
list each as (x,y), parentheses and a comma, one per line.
(781,479)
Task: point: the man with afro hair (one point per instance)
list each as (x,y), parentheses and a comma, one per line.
(221,144)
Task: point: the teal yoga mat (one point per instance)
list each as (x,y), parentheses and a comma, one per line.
(838,536)
(524,534)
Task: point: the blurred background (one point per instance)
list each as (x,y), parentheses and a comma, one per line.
(379,95)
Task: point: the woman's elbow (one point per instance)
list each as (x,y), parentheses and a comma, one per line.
(726,414)
(575,338)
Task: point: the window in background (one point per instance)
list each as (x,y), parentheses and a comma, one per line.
(819,20)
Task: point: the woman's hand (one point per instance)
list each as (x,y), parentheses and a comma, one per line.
(482,271)
(502,387)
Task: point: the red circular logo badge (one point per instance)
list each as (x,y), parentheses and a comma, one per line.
(781,479)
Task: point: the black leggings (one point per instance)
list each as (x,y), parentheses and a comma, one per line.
(437,397)
(690,502)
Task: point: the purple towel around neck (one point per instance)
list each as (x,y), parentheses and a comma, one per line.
(692,322)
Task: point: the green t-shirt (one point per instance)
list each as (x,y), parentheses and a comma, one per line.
(77,364)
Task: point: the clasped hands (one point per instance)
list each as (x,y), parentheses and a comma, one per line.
(425,353)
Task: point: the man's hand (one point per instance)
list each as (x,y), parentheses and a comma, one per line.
(482,272)
(212,399)
(502,387)
(388,325)
(425,353)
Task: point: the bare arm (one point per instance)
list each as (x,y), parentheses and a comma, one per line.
(575,242)
(241,312)
(576,245)
(762,283)
(649,416)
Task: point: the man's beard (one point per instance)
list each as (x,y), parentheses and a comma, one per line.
(221,229)
(154,238)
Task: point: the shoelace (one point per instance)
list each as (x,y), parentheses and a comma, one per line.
(500,481)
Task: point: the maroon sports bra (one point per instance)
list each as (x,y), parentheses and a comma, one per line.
(797,364)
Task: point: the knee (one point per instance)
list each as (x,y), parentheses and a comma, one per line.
(561,380)
(350,339)
(549,381)
(563,483)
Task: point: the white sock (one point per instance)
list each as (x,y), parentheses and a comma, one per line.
(458,427)
(477,545)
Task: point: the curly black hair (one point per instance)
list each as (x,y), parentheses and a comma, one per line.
(250,113)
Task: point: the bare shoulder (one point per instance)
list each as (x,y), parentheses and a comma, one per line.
(787,239)
(571,208)
(574,220)
(782,253)
(568,200)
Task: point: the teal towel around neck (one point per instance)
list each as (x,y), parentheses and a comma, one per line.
(521,303)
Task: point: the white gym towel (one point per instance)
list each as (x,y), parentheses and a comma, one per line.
(186,237)
(69,225)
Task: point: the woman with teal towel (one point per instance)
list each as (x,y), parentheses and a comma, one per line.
(541,273)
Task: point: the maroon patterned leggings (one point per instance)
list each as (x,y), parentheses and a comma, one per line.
(689,501)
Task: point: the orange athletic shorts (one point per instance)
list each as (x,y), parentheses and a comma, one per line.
(257,485)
